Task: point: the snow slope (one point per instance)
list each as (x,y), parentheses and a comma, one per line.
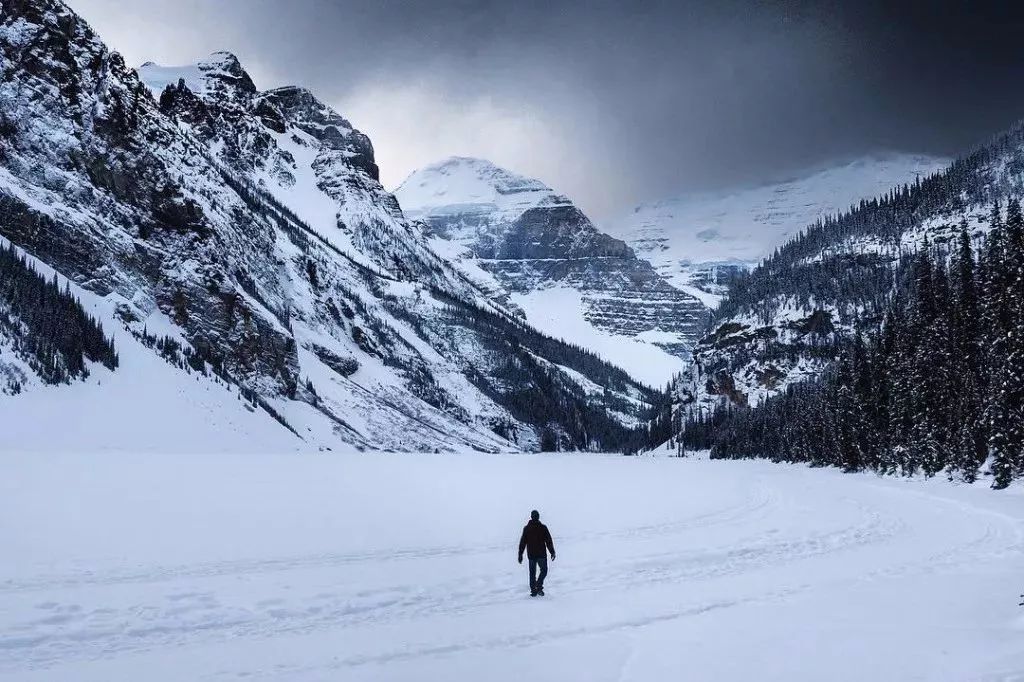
(146,405)
(559,313)
(688,238)
(402,567)
(196,76)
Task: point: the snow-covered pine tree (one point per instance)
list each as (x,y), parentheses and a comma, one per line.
(970,440)
(53,332)
(848,422)
(965,292)
(1010,389)
(997,326)
(871,400)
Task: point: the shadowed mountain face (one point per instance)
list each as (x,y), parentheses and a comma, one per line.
(530,240)
(250,228)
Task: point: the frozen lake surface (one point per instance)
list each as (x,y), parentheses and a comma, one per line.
(403,567)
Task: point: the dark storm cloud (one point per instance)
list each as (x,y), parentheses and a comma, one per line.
(618,102)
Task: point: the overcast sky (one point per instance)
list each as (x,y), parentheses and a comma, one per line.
(615,103)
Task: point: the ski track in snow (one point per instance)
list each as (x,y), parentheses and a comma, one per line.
(743,537)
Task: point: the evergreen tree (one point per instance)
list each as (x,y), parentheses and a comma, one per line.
(1009,389)
(848,423)
(51,329)
(966,293)
(998,323)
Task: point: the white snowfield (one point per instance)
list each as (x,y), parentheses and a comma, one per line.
(461,185)
(402,567)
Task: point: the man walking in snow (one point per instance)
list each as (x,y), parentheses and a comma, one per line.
(536,540)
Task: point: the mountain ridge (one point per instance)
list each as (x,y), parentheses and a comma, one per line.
(243,236)
(790,318)
(702,240)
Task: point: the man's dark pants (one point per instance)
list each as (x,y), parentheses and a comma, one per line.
(537,581)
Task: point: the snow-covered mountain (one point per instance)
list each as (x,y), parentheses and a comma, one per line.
(526,244)
(243,237)
(700,241)
(789,318)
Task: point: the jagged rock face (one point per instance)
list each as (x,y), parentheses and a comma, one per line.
(216,98)
(96,186)
(745,360)
(254,223)
(285,140)
(530,239)
(308,114)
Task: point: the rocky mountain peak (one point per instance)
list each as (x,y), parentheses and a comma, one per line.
(501,214)
(223,71)
(224,61)
(221,74)
(461,183)
(533,246)
(219,89)
(302,109)
(500,179)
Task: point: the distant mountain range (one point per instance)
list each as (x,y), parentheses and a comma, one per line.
(181,246)
(699,241)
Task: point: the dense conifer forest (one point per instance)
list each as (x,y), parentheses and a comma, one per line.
(47,325)
(934,385)
(805,269)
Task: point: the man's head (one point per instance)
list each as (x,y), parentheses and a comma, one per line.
(535,515)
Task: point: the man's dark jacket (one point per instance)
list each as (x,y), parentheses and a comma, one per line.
(535,538)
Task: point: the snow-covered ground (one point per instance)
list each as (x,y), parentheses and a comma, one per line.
(402,567)
(559,312)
